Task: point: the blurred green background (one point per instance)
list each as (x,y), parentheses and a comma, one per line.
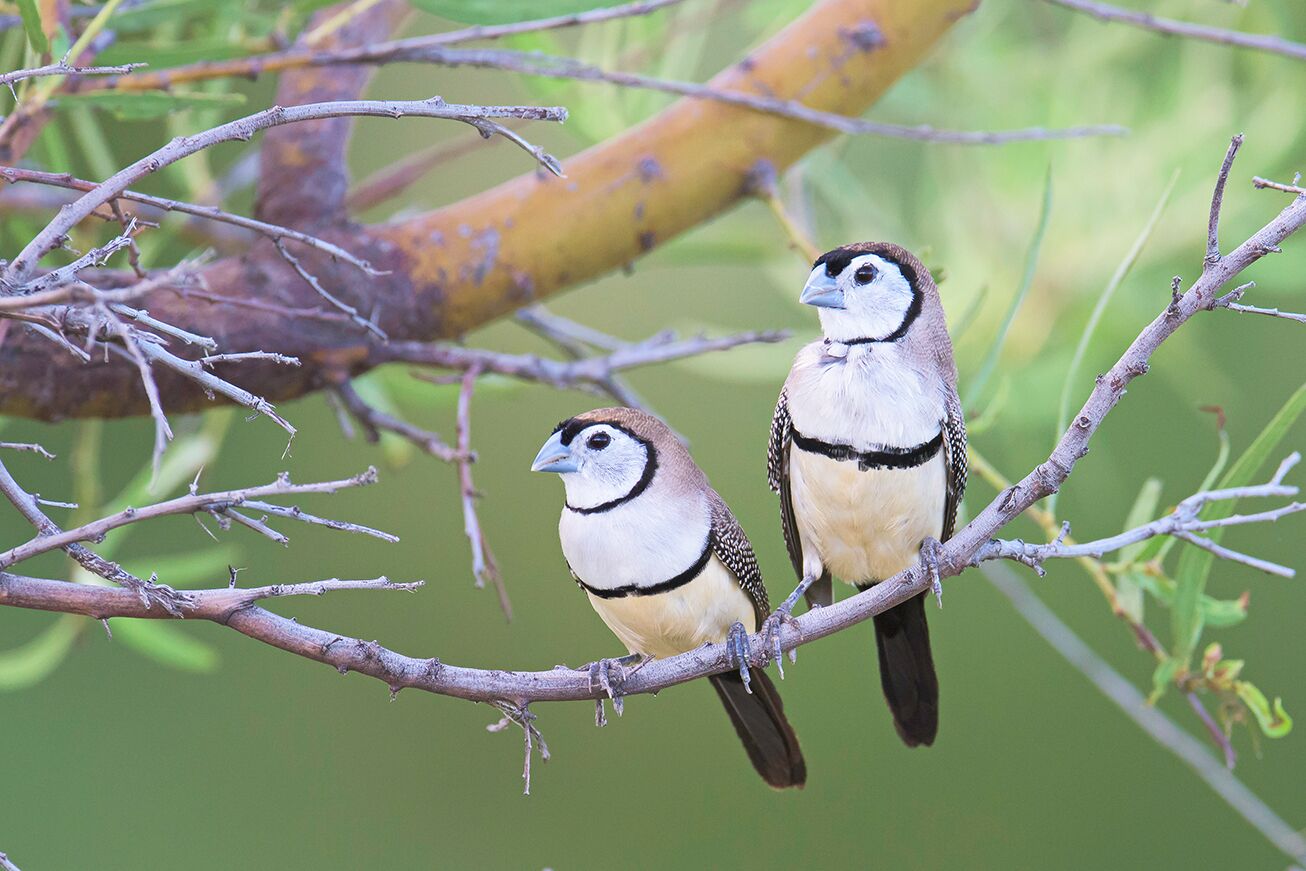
(236,755)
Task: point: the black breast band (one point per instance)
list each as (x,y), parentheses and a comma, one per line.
(884,458)
(666,586)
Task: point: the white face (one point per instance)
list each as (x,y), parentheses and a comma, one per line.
(609,463)
(869,298)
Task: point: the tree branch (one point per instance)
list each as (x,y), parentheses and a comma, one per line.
(63,68)
(462,266)
(1170,27)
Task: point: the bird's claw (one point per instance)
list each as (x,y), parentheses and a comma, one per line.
(771,629)
(930,549)
(609,675)
(740,651)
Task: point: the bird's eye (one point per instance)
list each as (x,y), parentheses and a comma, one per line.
(599,441)
(865,274)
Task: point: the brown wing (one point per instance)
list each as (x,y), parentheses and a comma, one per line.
(955,462)
(732,547)
(777,474)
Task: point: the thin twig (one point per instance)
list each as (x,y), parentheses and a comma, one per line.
(484,566)
(191,503)
(480,117)
(253,66)
(1184,522)
(30,447)
(1217,201)
(63,68)
(1170,27)
(535,63)
(274,232)
(565,373)
(374,420)
(1261,183)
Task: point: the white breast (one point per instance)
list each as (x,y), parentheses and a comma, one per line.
(874,397)
(645,541)
(865,525)
(689,616)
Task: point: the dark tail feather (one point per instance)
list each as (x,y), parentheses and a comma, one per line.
(907,671)
(759,720)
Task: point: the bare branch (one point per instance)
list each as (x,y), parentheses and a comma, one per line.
(63,68)
(335,302)
(559,373)
(1217,202)
(1261,183)
(216,503)
(480,117)
(6,864)
(484,566)
(217,605)
(30,447)
(276,233)
(534,63)
(1170,27)
(1184,522)
(374,420)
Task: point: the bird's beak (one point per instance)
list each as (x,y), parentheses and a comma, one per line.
(554,457)
(821,290)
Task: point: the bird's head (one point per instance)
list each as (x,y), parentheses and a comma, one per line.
(601,455)
(867,292)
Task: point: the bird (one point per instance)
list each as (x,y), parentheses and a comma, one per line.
(867,452)
(666,565)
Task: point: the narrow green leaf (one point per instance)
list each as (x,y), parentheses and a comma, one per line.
(32,26)
(1274,722)
(1163,677)
(990,363)
(165,643)
(142,105)
(31,663)
(1118,277)
(970,316)
(1215,612)
(1195,563)
(1129,595)
(1142,511)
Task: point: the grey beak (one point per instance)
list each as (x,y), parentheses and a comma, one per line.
(554,457)
(821,290)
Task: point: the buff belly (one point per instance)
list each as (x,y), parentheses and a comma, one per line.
(689,616)
(865,525)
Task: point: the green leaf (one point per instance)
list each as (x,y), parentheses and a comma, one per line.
(1274,722)
(1158,548)
(1215,612)
(142,105)
(171,53)
(1142,511)
(166,643)
(31,663)
(206,567)
(1118,277)
(1195,563)
(507,11)
(1027,279)
(398,451)
(1163,677)
(32,26)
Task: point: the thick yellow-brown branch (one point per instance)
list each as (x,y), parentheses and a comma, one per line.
(457,268)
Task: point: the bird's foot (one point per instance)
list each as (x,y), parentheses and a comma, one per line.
(780,617)
(930,550)
(740,652)
(609,675)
